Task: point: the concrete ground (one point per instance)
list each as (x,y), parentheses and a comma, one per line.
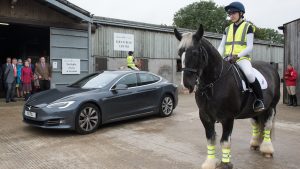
(176,142)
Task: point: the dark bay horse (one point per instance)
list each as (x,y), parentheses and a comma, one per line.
(219,97)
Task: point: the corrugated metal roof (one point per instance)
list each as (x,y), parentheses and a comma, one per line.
(68,8)
(160,28)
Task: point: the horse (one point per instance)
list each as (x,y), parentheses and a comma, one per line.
(219,98)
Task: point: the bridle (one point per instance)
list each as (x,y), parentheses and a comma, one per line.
(204,89)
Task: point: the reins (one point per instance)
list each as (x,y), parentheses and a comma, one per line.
(203,90)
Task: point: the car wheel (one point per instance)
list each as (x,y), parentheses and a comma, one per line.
(166,106)
(87,119)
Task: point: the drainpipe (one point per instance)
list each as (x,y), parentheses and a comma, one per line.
(91,62)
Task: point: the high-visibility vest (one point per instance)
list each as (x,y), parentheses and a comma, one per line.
(236,43)
(130,61)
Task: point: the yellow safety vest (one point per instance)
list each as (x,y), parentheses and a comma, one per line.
(130,62)
(236,43)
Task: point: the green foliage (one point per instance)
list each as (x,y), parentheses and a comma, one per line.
(207,13)
(269,35)
(213,18)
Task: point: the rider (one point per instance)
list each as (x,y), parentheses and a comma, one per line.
(130,61)
(237,44)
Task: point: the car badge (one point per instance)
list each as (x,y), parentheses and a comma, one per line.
(29,107)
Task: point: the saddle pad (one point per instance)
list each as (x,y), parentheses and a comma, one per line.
(262,81)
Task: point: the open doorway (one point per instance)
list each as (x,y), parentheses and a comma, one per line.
(22,41)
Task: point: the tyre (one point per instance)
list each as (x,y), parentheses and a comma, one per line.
(166,106)
(87,119)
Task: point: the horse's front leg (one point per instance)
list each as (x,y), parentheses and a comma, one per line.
(226,144)
(211,161)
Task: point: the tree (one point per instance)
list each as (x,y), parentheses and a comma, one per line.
(269,35)
(207,13)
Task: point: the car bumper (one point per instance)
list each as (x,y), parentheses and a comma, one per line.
(50,118)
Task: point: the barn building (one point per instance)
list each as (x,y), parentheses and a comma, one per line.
(77,43)
(291,31)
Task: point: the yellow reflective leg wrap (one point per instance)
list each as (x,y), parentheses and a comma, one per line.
(211,152)
(255,130)
(267,135)
(226,155)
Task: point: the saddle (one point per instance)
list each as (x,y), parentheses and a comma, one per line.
(246,90)
(243,82)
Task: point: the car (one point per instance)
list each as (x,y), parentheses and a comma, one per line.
(101,98)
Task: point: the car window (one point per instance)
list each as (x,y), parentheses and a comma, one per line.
(96,80)
(129,80)
(146,78)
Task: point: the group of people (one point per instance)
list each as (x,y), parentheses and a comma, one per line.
(21,79)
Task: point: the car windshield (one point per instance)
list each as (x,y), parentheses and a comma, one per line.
(97,80)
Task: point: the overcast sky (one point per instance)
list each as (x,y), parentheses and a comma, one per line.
(264,13)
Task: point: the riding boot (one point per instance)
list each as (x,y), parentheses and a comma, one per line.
(258,105)
(294,100)
(291,99)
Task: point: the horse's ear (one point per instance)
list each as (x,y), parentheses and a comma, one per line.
(178,34)
(199,33)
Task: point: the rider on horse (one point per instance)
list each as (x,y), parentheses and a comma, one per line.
(131,61)
(237,44)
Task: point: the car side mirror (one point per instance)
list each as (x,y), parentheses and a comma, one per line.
(120,87)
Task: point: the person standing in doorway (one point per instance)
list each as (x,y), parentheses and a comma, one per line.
(44,73)
(131,61)
(18,81)
(27,76)
(290,77)
(31,66)
(10,74)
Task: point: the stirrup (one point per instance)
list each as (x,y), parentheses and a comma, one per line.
(258,106)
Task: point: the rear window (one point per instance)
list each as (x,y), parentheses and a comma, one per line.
(146,78)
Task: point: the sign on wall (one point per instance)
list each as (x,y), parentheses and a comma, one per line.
(123,42)
(70,66)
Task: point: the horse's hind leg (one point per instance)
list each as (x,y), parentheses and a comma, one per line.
(226,144)
(255,139)
(267,147)
(209,125)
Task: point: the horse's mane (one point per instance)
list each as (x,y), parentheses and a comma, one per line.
(186,41)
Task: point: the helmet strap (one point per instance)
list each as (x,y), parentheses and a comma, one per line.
(241,16)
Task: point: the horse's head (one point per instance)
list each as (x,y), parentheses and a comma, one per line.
(193,56)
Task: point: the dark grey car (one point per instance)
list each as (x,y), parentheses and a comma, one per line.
(101,98)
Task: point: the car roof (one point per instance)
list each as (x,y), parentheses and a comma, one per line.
(123,72)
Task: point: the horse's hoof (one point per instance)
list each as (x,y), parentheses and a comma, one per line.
(268,155)
(225,166)
(254,147)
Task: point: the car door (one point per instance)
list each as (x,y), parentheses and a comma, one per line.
(149,92)
(122,103)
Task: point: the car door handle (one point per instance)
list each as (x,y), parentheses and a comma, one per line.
(147,90)
(117,95)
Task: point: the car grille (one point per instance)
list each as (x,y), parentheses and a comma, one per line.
(34,122)
(52,122)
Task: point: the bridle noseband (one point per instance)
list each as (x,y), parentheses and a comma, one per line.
(186,69)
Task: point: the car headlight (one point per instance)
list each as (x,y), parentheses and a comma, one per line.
(60,105)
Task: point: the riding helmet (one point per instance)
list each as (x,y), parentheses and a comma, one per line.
(235,7)
(130,53)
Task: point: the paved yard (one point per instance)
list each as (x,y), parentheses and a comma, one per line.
(176,142)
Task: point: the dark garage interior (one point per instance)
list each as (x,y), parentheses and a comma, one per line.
(22,41)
